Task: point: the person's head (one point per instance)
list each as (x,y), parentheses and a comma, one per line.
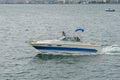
(63,33)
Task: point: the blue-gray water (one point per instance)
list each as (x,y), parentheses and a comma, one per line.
(20,61)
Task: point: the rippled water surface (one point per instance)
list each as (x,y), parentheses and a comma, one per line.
(20,61)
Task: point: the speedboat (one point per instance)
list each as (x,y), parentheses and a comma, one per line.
(68,44)
(110,10)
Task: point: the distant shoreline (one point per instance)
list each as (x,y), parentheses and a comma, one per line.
(57,3)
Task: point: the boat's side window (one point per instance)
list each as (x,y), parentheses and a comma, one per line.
(58,45)
(49,45)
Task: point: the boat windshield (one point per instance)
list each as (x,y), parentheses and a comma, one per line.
(67,38)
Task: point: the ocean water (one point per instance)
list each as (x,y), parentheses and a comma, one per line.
(20,61)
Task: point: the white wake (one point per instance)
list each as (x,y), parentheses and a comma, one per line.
(113,49)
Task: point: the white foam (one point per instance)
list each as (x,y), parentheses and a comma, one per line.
(113,49)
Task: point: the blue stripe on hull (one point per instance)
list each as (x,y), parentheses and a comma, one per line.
(65,49)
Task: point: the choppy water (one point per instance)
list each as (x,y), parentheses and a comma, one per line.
(20,61)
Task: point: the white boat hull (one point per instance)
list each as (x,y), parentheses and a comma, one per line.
(65,46)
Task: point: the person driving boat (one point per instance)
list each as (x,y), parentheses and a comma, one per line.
(63,33)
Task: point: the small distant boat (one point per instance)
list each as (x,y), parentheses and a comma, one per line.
(69,44)
(110,10)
